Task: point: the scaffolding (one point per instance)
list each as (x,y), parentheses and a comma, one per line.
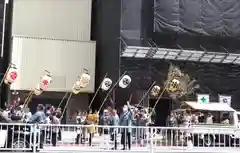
(180,55)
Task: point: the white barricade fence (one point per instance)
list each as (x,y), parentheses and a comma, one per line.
(19,137)
(90,138)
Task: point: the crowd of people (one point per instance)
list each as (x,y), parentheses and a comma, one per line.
(90,123)
(187,117)
(44,115)
(128,123)
(109,122)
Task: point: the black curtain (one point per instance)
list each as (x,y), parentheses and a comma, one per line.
(198,17)
(197,24)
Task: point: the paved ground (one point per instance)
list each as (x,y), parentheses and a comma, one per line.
(68,139)
(157,150)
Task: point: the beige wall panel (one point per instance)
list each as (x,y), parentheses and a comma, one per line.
(57,19)
(64,59)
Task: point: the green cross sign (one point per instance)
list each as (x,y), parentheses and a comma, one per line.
(204,100)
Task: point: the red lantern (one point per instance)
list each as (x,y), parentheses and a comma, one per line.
(45,81)
(11,75)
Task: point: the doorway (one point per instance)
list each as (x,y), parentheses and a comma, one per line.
(162,110)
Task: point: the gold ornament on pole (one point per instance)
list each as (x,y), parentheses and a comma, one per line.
(155,90)
(177,85)
(83,81)
(181,84)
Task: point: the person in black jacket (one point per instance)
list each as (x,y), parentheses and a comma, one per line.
(59,116)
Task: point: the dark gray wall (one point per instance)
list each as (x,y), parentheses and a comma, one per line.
(136,21)
(5,59)
(131,21)
(136,30)
(107,32)
(213,78)
(1,59)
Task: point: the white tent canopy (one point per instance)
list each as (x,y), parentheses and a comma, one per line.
(210,106)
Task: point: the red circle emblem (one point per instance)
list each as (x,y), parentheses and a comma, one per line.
(13,75)
(45,82)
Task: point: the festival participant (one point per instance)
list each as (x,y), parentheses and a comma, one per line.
(6,112)
(141,120)
(91,128)
(84,122)
(48,109)
(96,118)
(126,120)
(19,110)
(80,119)
(172,122)
(27,116)
(55,129)
(59,116)
(47,122)
(39,117)
(106,120)
(106,129)
(114,131)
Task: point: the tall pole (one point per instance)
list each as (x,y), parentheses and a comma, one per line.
(4,26)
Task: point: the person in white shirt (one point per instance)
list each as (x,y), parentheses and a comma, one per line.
(55,121)
(6,113)
(79,120)
(19,111)
(48,127)
(195,117)
(225,119)
(209,119)
(187,118)
(27,116)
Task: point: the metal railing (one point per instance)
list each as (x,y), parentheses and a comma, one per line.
(56,138)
